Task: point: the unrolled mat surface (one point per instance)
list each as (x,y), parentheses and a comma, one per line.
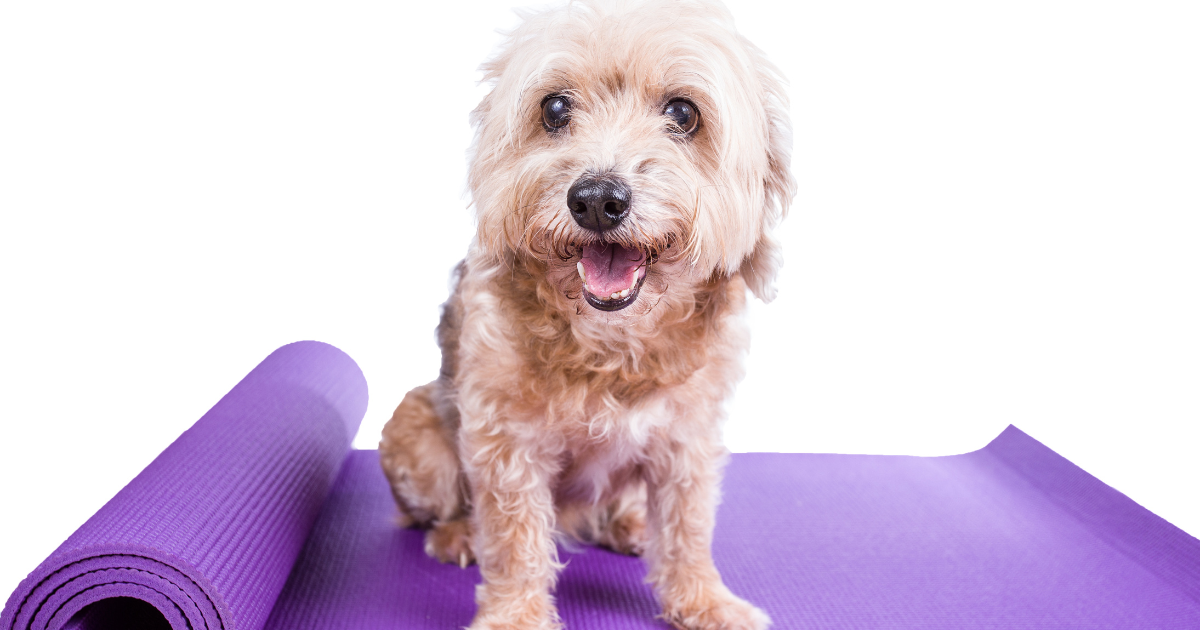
(259,516)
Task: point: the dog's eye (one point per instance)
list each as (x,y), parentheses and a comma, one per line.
(556,112)
(683,116)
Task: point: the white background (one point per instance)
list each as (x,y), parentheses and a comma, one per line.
(997,223)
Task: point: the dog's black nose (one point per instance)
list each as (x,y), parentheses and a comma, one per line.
(599,203)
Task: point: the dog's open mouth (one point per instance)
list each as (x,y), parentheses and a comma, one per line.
(612,275)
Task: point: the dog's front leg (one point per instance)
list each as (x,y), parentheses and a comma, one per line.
(682,478)
(513,515)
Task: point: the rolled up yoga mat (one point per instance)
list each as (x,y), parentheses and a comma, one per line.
(260,516)
(208,533)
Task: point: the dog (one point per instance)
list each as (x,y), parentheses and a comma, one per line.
(629,166)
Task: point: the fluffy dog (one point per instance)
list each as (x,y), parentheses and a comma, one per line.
(628,168)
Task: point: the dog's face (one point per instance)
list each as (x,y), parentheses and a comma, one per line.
(636,150)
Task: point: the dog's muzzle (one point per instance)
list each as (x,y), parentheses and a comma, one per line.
(612,274)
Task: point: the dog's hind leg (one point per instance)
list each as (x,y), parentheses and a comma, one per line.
(618,523)
(623,522)
(418,456)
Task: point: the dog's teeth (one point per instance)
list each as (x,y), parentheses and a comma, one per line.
(614,296)
(634,283)
(582,275)
(624,294)
(462,559)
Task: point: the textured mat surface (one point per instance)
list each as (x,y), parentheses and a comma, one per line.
(257,517)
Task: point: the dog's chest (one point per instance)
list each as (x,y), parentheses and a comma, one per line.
(606,448)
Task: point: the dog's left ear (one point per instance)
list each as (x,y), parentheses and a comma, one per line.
(762,265)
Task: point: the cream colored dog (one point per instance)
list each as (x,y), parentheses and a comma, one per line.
(629,166)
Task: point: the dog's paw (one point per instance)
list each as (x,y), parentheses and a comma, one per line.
(450,542)
(532,614)
(626,534)
(720,611)
(495,624)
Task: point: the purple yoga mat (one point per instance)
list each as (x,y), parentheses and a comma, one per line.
(1009,537)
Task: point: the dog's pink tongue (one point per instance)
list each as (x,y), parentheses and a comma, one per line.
(610,268)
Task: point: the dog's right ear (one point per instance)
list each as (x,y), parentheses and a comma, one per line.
(499,190)
(492,230)
(779,186)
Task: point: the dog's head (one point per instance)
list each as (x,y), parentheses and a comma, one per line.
(636,149)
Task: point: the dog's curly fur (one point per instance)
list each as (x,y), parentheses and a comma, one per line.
(553,415)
